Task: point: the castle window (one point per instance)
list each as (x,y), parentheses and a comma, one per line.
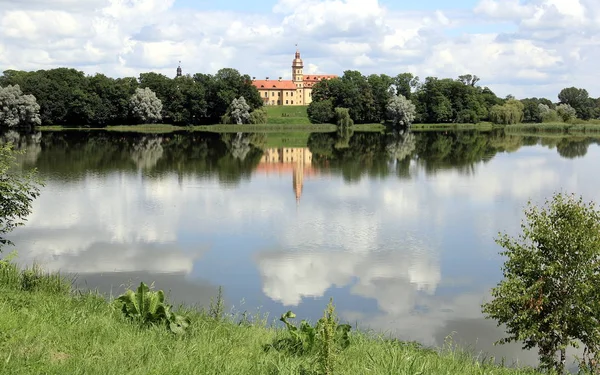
(292,102)
(266,94)
(272,94)
(286,102)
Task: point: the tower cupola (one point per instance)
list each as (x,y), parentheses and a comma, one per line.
(297,63)
(179,72)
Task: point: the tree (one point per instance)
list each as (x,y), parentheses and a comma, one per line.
(343,118)
(578,99)
(547,114)
(549,297)
(405,83)
(239,110)
(566,112)
(510,112)
(400,111)
(145,106)
(259,116)
(17,193)
(17,109)
(468,79)
(320,112)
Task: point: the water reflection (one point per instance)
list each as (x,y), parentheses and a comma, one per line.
(397,227)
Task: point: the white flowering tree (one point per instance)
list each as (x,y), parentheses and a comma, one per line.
(240,110)
(145,106)
(400,111)
(17,109)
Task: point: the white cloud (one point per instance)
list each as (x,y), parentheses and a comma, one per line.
(554,43)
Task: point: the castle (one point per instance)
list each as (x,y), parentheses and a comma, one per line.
(297,91)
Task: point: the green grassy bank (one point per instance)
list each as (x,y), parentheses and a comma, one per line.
(46,328)
(287,115)
(578,128)
(484,126)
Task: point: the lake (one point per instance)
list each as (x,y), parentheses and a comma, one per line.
(397,228)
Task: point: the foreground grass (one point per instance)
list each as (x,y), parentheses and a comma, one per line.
(47,329)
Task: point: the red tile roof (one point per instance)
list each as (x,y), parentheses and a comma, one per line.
(318,77)
(274,84)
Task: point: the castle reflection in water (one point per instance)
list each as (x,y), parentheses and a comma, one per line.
(296,161)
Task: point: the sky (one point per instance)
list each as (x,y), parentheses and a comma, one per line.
(524,48)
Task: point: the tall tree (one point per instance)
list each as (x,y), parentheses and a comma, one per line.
(578,99)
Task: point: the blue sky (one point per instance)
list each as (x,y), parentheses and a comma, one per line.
(520,47)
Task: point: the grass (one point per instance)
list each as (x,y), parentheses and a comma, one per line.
(287,111)
(146,128)
(591,127)
(265,128)
(368,127)
(441,127)
(287,115)
(142,128)
(45,328)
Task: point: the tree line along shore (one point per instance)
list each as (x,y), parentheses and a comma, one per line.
(67,97)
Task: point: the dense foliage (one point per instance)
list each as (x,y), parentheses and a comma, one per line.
(17,192)
(437,100)
(69,97)
(16,109)
(550,295)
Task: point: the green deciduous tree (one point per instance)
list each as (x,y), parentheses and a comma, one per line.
(550,295)
(578,99)
(510,112)
(17,192)
(566,112)
(320,112)
(17,109)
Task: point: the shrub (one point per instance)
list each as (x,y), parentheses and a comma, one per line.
(149,308)
(321,112)
(549,297)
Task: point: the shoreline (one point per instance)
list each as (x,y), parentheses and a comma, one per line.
(67,331)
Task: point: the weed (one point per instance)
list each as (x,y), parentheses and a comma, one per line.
(324,338)
(216,309)
(149,308)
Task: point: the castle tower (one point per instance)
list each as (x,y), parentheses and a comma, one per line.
(298,77)
(179,72)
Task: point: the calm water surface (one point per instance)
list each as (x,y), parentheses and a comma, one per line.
(398,229)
